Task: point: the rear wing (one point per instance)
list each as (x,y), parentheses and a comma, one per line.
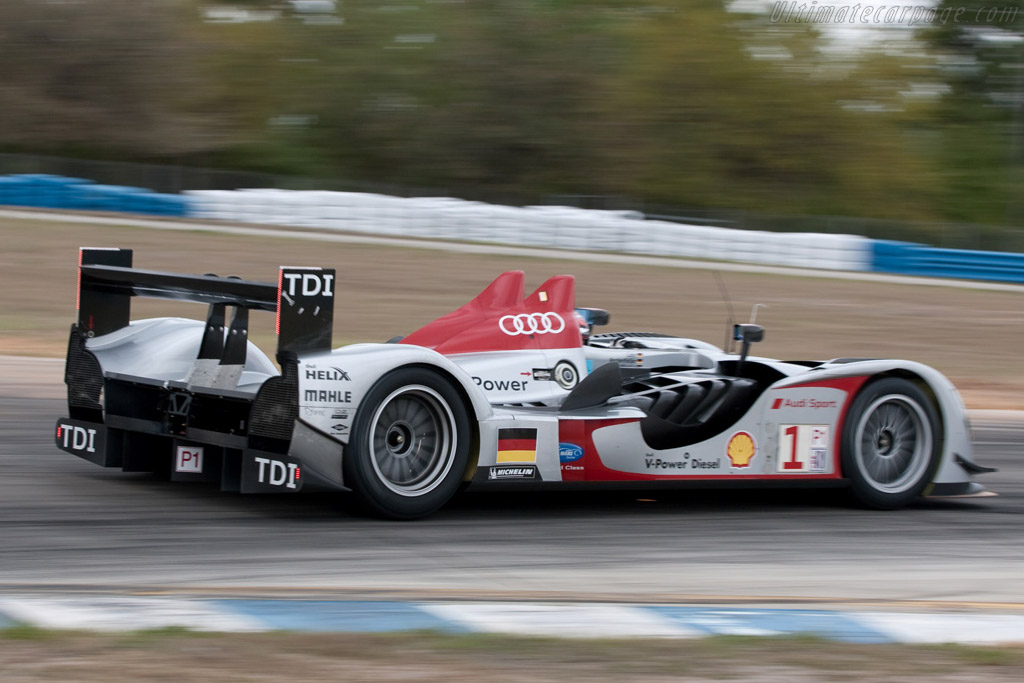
(302,298)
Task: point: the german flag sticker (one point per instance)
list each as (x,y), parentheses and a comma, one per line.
(517,445)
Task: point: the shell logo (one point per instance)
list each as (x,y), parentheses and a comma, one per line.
(741,449)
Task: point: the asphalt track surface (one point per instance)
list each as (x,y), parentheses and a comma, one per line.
(68,525)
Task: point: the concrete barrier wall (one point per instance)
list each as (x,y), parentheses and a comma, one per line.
(559,227)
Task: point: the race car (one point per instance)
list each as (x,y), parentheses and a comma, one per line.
(508,390)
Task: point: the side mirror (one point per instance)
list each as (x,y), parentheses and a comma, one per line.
(748,333)
(594,316)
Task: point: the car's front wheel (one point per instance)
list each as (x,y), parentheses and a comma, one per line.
(410,445)
(891,443)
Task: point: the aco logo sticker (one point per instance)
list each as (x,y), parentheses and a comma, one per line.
(569,452)
(741,449)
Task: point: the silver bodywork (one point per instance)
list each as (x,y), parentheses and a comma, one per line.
(165,349)
(502,391)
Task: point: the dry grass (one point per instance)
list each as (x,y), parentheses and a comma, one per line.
(972,336)
(29,656)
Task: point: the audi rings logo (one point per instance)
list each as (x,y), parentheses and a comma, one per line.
(531,323)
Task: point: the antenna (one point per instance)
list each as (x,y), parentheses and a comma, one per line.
(727,347)
(753,312)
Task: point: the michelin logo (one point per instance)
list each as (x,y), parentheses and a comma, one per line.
(512,472)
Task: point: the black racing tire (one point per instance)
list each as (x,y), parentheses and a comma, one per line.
(891,443)
(410,445)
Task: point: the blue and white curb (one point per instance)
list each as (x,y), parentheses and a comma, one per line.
(552,619)
(123,614)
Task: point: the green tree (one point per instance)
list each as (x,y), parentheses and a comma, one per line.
(100,77)
(705,122)
(981,122)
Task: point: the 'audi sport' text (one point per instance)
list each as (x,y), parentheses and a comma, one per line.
(803,403)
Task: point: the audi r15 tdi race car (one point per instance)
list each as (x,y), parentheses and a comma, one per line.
(508,390)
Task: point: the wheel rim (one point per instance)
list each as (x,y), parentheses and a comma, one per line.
(412,440)
(894,443)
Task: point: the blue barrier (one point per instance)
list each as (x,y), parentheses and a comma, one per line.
(59,192)
(907,258)
(157,204)
(9,189)
(106,197)
(39,190)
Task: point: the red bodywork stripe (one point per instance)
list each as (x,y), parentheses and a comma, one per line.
(580,432)
(517,444)
(851,385)
(277,321)
(78,291)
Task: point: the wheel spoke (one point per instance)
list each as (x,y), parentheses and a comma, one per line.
(420,462)
(396,468)
(412,440)
(871,465)
(413,410)
(906,455)
(386,461)
(421,422)
(427,446)
(904,419)
(894,470)
(390,413)
(880,472)
(893,443)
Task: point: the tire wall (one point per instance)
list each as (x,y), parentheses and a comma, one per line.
(556,227)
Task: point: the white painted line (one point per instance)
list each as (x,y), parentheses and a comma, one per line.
(124,614)
(729,623)
(946,627)
(460,247)
(562,620)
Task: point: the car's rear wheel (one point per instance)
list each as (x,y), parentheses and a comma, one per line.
(410,445)
(891,443)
